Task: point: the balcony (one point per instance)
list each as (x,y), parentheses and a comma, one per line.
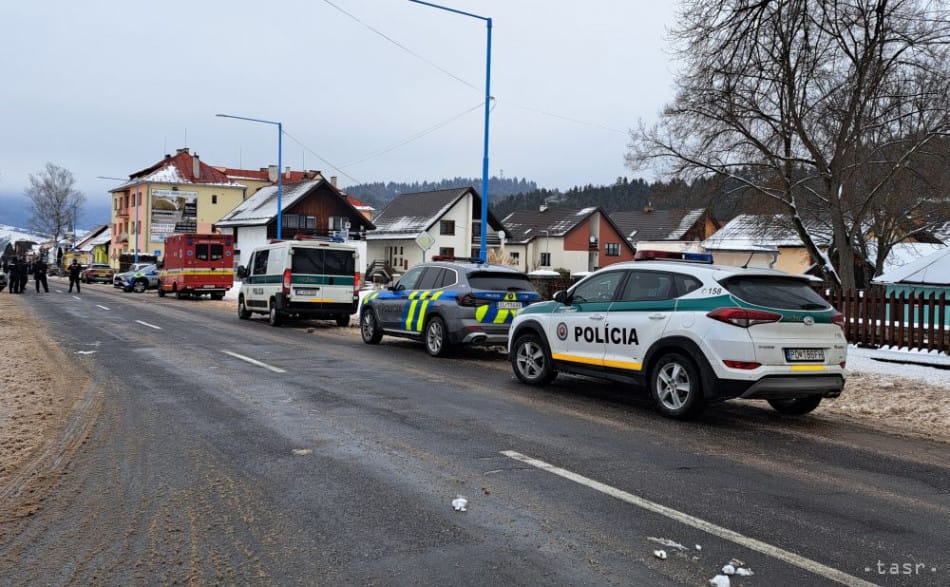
(122,212)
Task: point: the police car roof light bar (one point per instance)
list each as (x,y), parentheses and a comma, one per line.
(453,258)
(648,255)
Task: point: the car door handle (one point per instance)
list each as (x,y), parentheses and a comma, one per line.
(657,316)
(596,316)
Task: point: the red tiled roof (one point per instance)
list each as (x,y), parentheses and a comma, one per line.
(183,162)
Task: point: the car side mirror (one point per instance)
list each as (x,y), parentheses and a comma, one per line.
(242,271)
(561,297)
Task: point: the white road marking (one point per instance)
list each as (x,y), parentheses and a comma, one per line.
(255,362)
(77,298)
(103,307)
(149,325)
(724,533)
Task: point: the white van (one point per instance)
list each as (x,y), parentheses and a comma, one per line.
(300,278)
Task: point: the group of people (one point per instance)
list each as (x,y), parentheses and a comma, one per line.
(18,271)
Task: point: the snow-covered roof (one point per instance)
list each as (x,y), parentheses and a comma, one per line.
(934,269)
(409,214)
(261,208)
(903,254)
(751,232)
(656,225)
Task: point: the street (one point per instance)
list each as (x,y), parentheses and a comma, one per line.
(214,450)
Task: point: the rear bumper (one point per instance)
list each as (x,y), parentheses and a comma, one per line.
(314,310)
(781,387)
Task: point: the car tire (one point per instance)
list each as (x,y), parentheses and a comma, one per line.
(435,337)
(243,312)
(139,286)
(343,320)
(676,387)
(217,296)
(161,290)
(369,327)
(274,317)
(531,360)
(180,294)
(795,406)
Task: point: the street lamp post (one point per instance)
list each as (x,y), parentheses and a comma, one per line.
(483,242)
(138,222)
(280,163)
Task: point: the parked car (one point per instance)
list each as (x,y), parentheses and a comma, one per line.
(448,302)
(140,277)
(691,333)
(98,272)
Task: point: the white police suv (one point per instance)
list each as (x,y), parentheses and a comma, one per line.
(689,331)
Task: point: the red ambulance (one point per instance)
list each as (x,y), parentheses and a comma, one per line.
(197,264)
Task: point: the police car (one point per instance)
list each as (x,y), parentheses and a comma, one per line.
(447,302)
(690,332)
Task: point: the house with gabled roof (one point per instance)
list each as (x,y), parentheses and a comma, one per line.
(180,193)
(450,218)
(766,240)
(310,208)
(644,227)
(578,240)
(94,246)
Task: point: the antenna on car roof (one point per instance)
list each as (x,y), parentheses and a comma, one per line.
(749,260)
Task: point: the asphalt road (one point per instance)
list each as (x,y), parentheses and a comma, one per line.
(333,462)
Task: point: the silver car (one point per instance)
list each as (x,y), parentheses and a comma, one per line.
(139,277)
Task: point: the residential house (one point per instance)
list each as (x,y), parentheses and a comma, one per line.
(450,219)
(94,246)
(310,208)
(665,229)
(564,238)
(178,194)
(927,275)
(764,241)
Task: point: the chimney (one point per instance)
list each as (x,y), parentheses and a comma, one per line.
(648,208)
(333,180)
(182,150)
(272,173)
(543,208)
(287,173)
(196,166)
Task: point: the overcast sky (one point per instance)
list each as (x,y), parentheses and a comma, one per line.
(108,87)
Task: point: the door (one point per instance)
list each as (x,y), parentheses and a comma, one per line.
(391,304)
(577,332)
(638,318)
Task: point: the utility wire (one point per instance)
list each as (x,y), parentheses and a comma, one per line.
(401,46)
(457,78)
(315,154)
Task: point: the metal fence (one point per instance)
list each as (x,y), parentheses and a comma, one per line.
(875,318)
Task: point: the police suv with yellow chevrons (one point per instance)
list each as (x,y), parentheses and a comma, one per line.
(689,331)
(448,302)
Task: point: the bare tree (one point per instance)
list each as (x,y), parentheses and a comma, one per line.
(799,100)
(54,200)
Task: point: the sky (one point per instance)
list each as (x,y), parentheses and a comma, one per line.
(367,90)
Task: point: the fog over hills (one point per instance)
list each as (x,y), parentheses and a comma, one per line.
(15,211)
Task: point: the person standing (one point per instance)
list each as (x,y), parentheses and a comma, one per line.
(24,274)
(14,275)
(39,275)
(75,271)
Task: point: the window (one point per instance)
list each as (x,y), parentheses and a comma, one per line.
(217,252)
(612,249)
(291,221)
(259,263)
(515,257)
(647,286)
(447,251)
(500,281)
(214,198)
(685,284)
(597,289)
(201,252)
(337,223)
(447,227)
(449,278)
(408,281)
(476,227)
(432,276)
(322,262)
(545,259)
(775,292)
(311,222)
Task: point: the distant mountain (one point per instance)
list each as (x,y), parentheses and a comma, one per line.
(15,211)
(12,234)
(379,194)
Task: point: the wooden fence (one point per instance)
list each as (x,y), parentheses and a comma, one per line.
(912,321)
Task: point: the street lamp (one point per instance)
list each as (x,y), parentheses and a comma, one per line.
(138,221)
(280,163)
(483,242)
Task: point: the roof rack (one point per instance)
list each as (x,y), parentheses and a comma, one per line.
(648,255)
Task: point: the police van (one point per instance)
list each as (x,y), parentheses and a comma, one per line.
(300,279)
(690,332)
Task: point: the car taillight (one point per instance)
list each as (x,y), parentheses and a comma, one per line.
(467,300)
(838,319)
(743,317)
(285,286)
(356,285)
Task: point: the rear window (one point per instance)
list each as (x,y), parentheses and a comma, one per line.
(323,262)
(499,281)
(775,292)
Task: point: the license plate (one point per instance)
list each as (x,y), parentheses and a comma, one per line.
(208,286)
(305,292)
(795,355)
(509,305)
